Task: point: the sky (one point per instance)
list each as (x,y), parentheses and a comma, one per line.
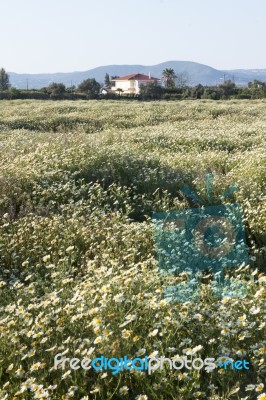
(39,36)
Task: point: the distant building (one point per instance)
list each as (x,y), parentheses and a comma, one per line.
(260,84)
(131,83)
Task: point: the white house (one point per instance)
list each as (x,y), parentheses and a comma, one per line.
(131,83)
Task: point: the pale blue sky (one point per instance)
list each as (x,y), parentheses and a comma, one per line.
(76,35)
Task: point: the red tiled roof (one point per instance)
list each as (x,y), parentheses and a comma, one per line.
(138,77)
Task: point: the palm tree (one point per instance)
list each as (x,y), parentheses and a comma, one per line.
(169,77)
(119,90)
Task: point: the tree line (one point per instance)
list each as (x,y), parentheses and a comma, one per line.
(176,87)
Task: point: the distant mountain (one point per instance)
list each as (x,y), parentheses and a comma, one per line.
(197,73)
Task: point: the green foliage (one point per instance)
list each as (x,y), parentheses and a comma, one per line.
(4,80)
(90,90)
(227,88)
(56,91)
(212,94)
(90,87)
(169,77)
(197,91)
(152,90)
(107,81)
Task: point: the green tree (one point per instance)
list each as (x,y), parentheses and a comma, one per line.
(227,88)
(152,90)
(56,90)
(256,83)
(91,87)
(169,77)
(4,80)
(107,82)
(197,91)
(71,89)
